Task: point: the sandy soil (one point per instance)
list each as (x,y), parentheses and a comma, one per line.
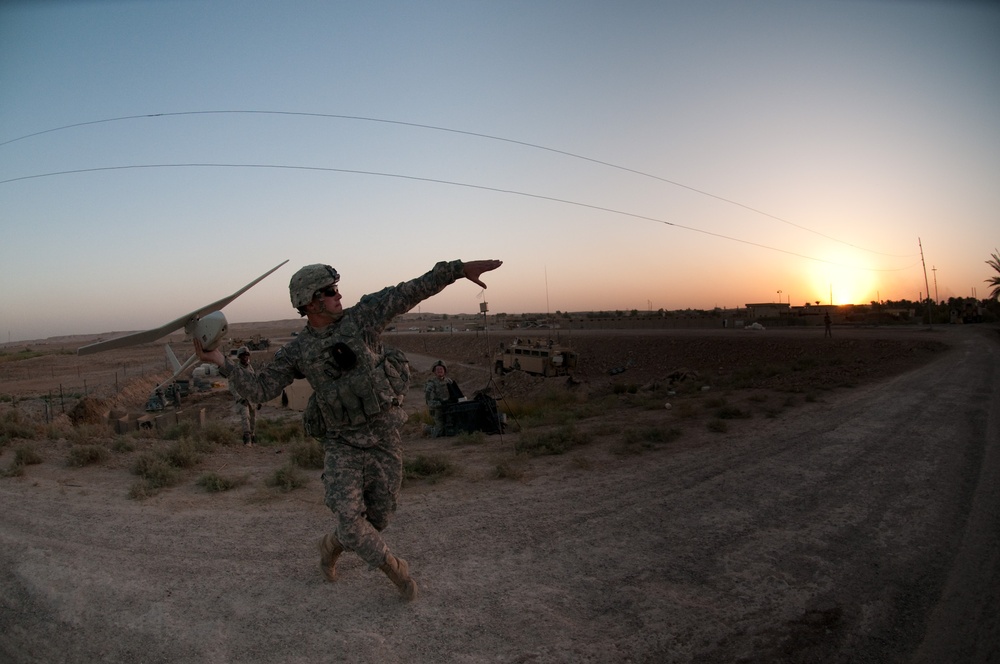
(851,517)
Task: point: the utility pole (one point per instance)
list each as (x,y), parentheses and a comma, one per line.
(930,321)
(936,298)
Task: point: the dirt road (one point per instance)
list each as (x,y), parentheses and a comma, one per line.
(861,528)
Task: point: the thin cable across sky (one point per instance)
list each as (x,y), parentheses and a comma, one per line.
(449,183)
(491,137)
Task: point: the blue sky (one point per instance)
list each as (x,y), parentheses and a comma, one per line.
(696,154)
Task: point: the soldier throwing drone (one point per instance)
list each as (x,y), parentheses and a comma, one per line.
(355,410)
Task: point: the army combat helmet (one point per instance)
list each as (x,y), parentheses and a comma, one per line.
(308,280)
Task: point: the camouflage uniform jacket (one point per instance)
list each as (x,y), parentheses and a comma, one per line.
(346,398)
(236,395)
(437,392)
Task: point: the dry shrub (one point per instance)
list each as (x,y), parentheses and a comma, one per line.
(88,410)
(14,425)
(282,430)
(636,441)
(510,467)
(308,454)
(155,473)
(427,467)
(183,454)
(135,392)
(219,433)
(556,441)
(86,434)
(27,456)
(86,455)
(286,478)
(215,483)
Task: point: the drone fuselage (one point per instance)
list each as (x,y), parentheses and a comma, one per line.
(210,329)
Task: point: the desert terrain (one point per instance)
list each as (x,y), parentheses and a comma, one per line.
(801,500)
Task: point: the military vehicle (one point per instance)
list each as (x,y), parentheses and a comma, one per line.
(540,358)
(256,342)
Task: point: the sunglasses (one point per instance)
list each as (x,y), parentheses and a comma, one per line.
(331,291)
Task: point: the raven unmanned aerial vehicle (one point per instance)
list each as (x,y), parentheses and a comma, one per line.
(208,324)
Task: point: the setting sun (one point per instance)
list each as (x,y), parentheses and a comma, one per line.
(836,282)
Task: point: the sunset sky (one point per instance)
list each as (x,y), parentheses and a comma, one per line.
(156,156)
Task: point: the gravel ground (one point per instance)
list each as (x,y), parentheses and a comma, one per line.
(853,517)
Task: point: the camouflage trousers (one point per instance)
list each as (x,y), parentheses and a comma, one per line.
(248,416)
(362,473)
(438,429)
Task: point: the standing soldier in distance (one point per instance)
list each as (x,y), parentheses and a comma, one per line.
(246,411)
(355,411)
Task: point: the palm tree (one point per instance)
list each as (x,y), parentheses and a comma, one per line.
(994,281)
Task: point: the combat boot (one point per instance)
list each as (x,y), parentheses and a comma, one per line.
(329,550)
(399,573)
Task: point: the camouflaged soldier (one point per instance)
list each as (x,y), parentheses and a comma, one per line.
(440,390)
(246,411)
(355,410)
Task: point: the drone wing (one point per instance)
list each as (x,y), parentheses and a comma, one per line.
(173,326)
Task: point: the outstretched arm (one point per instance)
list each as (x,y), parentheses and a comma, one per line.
(473,269)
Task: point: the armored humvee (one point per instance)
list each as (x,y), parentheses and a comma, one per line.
(541,358)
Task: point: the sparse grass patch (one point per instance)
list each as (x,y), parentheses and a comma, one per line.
(17,356)
(771,412)
(285,479)
(470,438)
(84,434)
(183,429)
(13,426)
(308,454)
(551,407)
(155,470)
(86,455)
(215,483)
(510,467)
(715,402)
(219,433)
(805,363)
(686,410)
(718,426)
(431,468)
(13,470)
(556,441)
(605,429)
(636,441)
(283,430)
(732,413)
(122,445)
(771,370)
(420,417)
(183,454)
(26,455)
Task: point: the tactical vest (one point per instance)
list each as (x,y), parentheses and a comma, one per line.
(351,381)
